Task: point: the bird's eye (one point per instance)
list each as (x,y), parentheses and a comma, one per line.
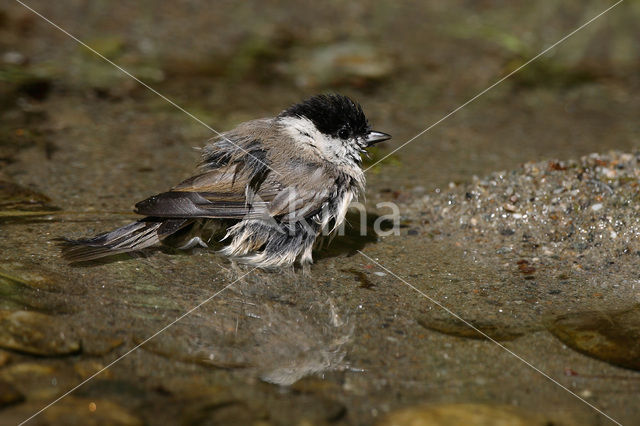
(344,133)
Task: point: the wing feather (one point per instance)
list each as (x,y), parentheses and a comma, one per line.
(244,190)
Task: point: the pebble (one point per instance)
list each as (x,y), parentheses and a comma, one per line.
(16,371)
(13,58)
(34,380)
(14,197)
(32,276)
(341,63)
(5,357)
(99,346)
(89,367)
(613,337)
(454,327)
(9,395)
(462,414)
(37,334)
(509,207)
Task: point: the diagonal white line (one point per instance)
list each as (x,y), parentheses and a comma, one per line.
(134,348)
(495,84)
(144,84)
(432,300)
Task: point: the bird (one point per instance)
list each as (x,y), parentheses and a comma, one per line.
(271,186)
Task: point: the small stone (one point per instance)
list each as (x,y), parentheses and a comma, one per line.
(9,395)
(13,58)
(88,368)
(341,63)
(33,379)
(31,276)
(613,337)
(99,346)
(314,385)
(596,207)
(15,371)
(455,327)
(586,393)
(5,357)
(509,207)
(16,198)
(462,414)
(526,269)
(36,334)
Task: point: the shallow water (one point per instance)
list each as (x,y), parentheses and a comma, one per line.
(347,341)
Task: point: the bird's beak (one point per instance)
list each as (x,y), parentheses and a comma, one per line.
(374,137)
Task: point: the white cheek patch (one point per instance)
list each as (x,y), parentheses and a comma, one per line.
(305,132)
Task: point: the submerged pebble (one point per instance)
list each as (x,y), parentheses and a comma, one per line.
(15,198)
(5,357)
(37,334)
(9,395)
(462,414)
(341,63)
(88,368)
(454,327)
(613,337)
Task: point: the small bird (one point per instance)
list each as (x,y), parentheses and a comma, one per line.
(273,184)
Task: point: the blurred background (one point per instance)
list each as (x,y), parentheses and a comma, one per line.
(408,63)
(77,134)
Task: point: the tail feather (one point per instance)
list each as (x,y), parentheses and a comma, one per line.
(132,237)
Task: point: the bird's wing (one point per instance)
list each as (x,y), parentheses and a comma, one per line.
(238,182)
(218,193)
(228,193)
